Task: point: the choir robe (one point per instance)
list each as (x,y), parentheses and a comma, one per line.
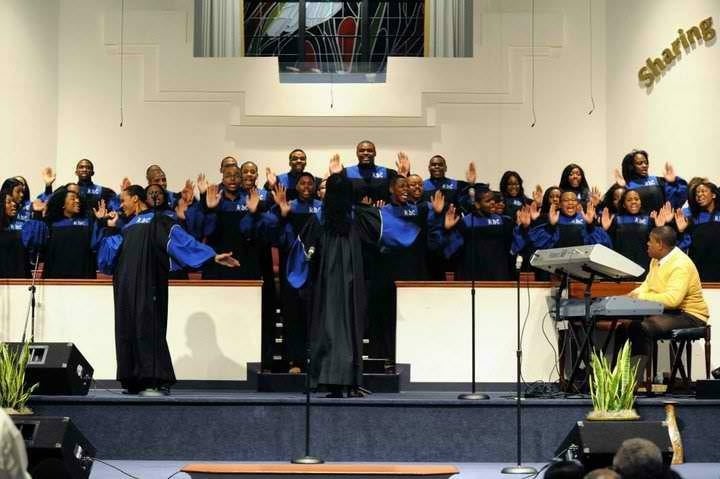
(70,248)
(295,303)
(654,191)
(490,255)
(230,227)
(371,181)
(455,192)
(700,241)
(91,194)
(289,181)
(629,235)
(569,231)
(19,243)
(513,204)
(149,246)
(332,266)
(399,262)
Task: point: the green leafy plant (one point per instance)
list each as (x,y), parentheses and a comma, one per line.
(14,394)
(613,389)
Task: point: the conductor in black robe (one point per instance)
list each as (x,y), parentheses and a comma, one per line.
(141,256)
(327,257)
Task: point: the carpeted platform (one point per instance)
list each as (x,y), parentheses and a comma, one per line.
(411,426)
(166,469)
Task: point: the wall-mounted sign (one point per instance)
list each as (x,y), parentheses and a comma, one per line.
(653,68)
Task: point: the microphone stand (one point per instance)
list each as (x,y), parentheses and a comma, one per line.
(518,468)
(307,458)
(31,307)
(474,395)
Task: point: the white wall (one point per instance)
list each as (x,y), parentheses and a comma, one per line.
(186,113)
(29,87)
(675,120)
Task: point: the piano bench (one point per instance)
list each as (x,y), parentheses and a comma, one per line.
(681,340)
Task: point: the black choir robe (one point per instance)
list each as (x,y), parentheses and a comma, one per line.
(629,235)
(140,258)
(70,249)
(19,243)
(700,241)
(332,265)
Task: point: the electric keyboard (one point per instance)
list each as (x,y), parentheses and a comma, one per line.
(607,306)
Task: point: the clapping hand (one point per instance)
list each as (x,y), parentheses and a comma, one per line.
(403,164)
(280,196)
(212,200)
(48,176)
(451,217)
(112,219)
(471,173)
(271,178)
(669,173)
(619,178)
(38,205)
(537,195)
(202,183)
(101,211)
(125,184)
(607,218)
(588,213)
(595,196)
(553,215)
(438,202)
(534,211)
(253,201)
(335,164)
(181,208)
(681,222)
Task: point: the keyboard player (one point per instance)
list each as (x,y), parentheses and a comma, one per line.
(672,280)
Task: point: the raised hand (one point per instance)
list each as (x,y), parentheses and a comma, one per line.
(380,204)
(226,259)
(271,178)
(537,195)
(202,183)
(669,173)
(253,200)
(212,200)
(553,215)
(588,213)
(112,219)
(181,208)
(38,205)
(595,196)
(125,184)
(607,218)
(534,211)
(438,202)
(335,164)
(188,192)
(471,173)
(619,178)
(366,201)
(681,222)
(451,217)
(101,211)
(403,164)
(523,217)
(280,196)
(666,212)
(657,218)
(48,176)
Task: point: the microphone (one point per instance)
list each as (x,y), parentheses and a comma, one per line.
(518,262)
(310,253)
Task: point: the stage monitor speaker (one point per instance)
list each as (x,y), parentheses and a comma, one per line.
(594,443)
(56,448)
(58,368)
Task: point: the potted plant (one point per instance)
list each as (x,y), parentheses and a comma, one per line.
(14,394)
(613,389)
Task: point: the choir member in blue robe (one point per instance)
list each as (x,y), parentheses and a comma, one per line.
(297,161)
(611,199)
(140,257)
(73,237)
(416,192)
(19,240)
(454,191)
(629,229)
(232,218)
(293,215)
(654,190)
(701,231)
(327,257)
(568,225)
(368,179)
(156,176)
(17,191)
(511,188)
(401,262)
(91,193)
(482,240)
(573,179)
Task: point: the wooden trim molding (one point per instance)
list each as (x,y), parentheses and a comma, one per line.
(323,469)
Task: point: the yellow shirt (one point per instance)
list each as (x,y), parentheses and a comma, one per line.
(674,281)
